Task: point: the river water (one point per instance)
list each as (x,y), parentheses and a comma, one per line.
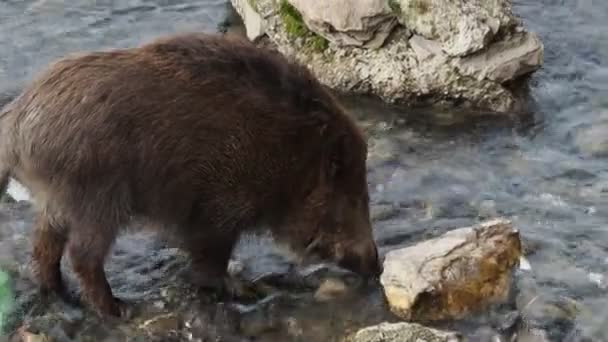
(429,172)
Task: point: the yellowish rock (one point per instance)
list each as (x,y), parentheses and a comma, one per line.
(329,289)
(161,324)
(452,275)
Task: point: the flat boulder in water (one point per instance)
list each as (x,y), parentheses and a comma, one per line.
(452,275)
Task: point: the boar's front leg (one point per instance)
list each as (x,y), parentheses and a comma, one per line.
(211,254)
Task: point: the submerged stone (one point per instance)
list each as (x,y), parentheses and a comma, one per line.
(403,332)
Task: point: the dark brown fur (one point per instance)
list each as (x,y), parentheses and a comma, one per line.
(204,135)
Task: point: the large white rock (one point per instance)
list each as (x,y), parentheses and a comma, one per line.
(403,332)
(418,69)
(462,26)
(364,23)
(453,275)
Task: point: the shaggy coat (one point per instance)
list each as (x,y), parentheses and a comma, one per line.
(203,135)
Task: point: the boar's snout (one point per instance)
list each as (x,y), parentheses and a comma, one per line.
(362,258)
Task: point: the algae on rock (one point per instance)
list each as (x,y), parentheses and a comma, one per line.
(296,28)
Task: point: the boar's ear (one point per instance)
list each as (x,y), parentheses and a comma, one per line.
(305,94)
(336,156)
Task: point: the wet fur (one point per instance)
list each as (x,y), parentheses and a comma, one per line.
(201,134)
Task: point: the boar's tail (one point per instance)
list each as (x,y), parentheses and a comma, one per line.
(5,167)
(4,178)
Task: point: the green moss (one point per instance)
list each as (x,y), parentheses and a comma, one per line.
(292,19)
(395,6)
(317,43)
(296,28)
(420,6)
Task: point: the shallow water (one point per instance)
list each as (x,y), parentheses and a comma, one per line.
(429,172)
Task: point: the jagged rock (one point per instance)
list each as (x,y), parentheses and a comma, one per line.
(254,23)
(518,54)
(454,274)
(426,48)
(462,27)
(403,332)
(364,23)
(467,54)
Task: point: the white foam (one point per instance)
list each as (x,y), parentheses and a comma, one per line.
(18,191)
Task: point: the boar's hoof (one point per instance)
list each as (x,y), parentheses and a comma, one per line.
(116,310)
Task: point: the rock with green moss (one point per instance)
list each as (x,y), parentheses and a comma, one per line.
(366,24)
(296,28)
(436,64)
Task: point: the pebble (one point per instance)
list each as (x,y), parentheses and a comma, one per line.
(26,336)
(597,279)
(258,323)
(293,327)
(329,289)
(524,264)
(161,324)
(159,304)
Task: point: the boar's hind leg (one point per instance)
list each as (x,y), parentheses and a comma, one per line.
(49,240)
(88,246)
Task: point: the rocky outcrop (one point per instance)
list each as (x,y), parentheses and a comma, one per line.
(453,275)
(440,52)
(461,27)
(403,332)
(365,23)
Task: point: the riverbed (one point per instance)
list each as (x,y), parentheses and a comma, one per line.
(429,171)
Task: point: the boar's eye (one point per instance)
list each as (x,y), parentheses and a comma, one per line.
(336,156)
(334,167)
